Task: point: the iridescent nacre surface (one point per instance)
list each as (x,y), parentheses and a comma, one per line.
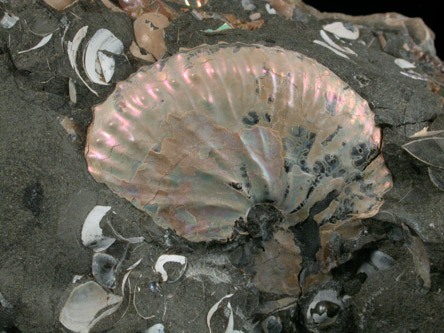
(197,139)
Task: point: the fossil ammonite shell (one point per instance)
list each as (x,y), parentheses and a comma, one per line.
(198,139)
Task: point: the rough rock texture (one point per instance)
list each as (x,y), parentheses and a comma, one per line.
(47,191)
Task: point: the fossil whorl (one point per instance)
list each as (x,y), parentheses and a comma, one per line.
(199,138)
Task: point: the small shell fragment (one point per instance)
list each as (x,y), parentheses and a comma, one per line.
(158,328)
(72,91)
(40,44)
(254,16)
(73,47)
(404,64)
(136,8)
(425,132)
(413,75)
(341,30)
(8,20)
(92,234)
(80,311)
(103,269)
(76,278)
(149,33)
(60,4)
(270,10)
(135,51)
(428,150)
(164,258)
(213,309)
(336,46)
(98,66)
(437,177)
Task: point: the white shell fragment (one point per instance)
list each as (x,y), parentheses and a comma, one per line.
(336,46)
(230,325)
(8,20)
(404,64)
(270,10)
(98,66)
(103,269)
(40,44)
(214,309)
(413,75)
(425,132)
(164,258)
(341,30)
(158,328)
(79,313)
(92,234)
(127,274)
(73,47)
(76,278)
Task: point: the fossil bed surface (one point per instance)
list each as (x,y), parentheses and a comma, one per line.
(46,191)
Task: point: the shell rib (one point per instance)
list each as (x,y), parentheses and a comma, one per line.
(199,138)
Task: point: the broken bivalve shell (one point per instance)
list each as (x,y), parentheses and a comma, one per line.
(98,66)
(92,233)
(170,258)
(81,311)
(343,30)
(103,270)
(149,33)
(198,139)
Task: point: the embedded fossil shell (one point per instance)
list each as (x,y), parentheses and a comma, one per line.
(199,138)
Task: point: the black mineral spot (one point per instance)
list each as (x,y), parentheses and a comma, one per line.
(267,117)
(252,118)
(287,166)
(270,99)
(33,198)
(236,186)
